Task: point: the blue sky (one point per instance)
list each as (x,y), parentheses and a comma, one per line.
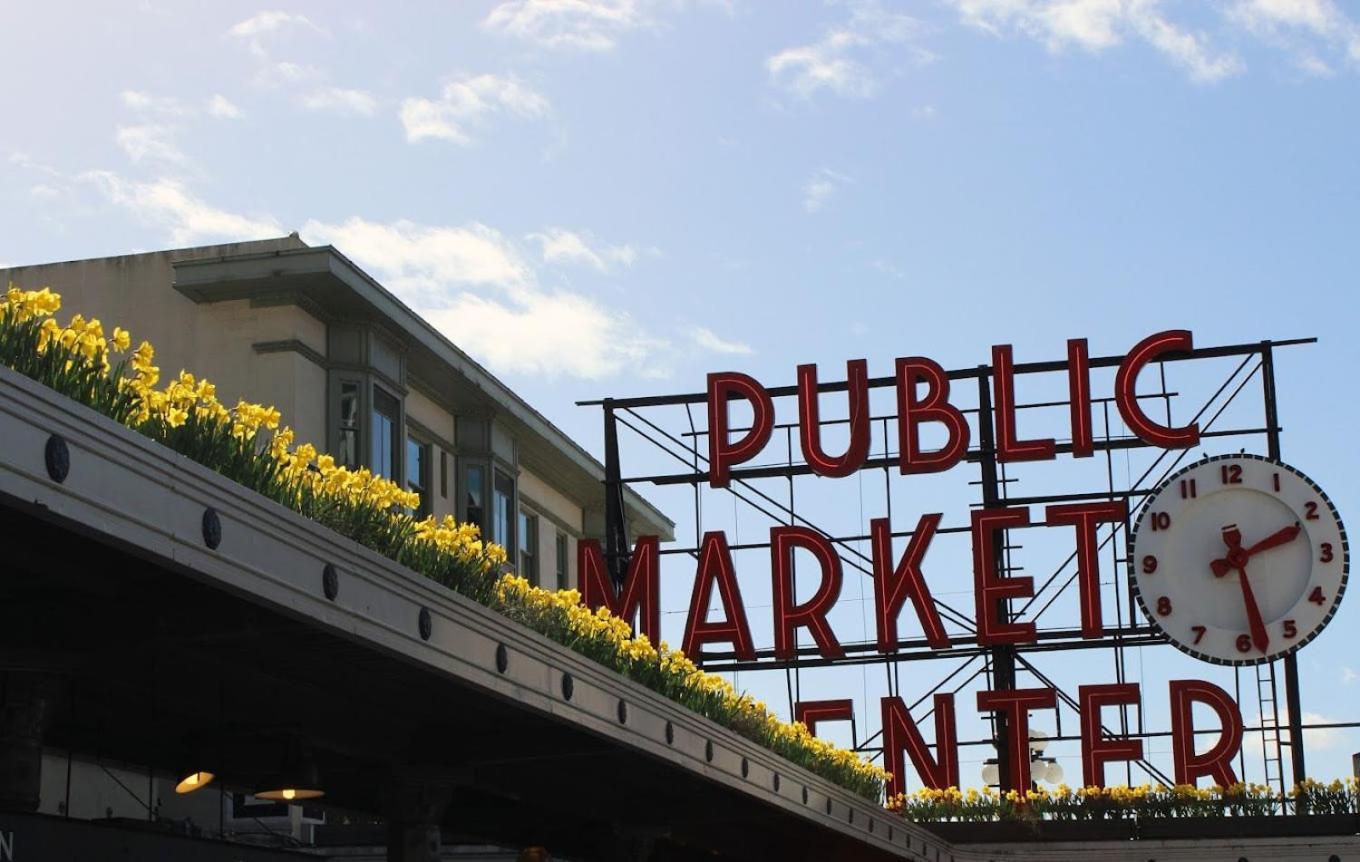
(612,197)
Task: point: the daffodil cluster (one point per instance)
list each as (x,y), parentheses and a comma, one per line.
(610,640)
(249,444)
(1119,802)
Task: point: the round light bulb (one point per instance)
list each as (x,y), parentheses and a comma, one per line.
(1055,773)
(1038,741)
(990,774)
(289,793)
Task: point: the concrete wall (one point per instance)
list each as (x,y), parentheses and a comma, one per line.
(210,340)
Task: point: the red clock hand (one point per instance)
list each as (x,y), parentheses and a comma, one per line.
(1258,626)
(1279,537)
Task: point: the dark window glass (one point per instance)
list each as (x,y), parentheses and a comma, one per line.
(503,514)
(528,547)
(443,474)
(562,570)
(475,505)
(418,473)
(385,454)
(348,452)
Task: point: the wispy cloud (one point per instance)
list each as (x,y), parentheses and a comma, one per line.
(169,205)
(583,25)
(467,104)
(268,22)
(560,245)
(820,187)
(223,108)
(150,142)
(1097,25)
(476,286)
(341,101)
(1305,28)
(838,61)
(710,341)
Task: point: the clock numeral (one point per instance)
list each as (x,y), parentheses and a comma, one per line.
(1291,630)
(1164,606)
(1317,597)
(1326,555)
(1161,521)
(1277,481)
(1149,564)
(1199,633)
(1244,643)
(1311,509)
(1231,474)
(1188,489)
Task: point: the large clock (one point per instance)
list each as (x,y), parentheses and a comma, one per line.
(1239,559)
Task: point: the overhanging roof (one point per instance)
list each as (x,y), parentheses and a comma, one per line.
(336,286)
(109,584)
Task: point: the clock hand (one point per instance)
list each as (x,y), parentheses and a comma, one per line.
(1274,539)
(1258,626)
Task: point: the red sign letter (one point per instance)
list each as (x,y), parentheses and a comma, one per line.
(900,732)
(892,586)
(1217,761)
(809,712)
(641,588)
(787,616)
(715,566)
(1008,446)
(1085,516)
(1016,704)
(989,590)
(1126,390)
(1079,397)
(1096,751)
(809,427)
(722,453)
(935,407)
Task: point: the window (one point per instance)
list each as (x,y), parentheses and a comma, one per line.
(528,547)
(418,473)
(347,452)
(562,568)
(474,503)
(386,411)
(503,513)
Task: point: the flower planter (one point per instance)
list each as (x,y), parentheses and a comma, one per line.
(1033,830)
(1264,826)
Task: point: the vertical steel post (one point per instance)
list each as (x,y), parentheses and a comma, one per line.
(615,526)
(1291,661)
(1002,657)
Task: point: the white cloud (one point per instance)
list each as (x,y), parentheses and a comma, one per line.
(1302,27)
(548,334)
(465,104)
(709,340)
(422,262)
(1318,739)
(139,100)
(585,25)
(1097,25)
(166,203)
(820,187)
(341,101)
(564,246)
(150,142)
(1348,675)
(834,62)
(221,107)
(478,288)
(268,22)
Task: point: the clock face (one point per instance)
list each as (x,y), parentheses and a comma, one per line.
(1239,559)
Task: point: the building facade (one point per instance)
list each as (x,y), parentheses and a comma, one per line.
(362,376)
